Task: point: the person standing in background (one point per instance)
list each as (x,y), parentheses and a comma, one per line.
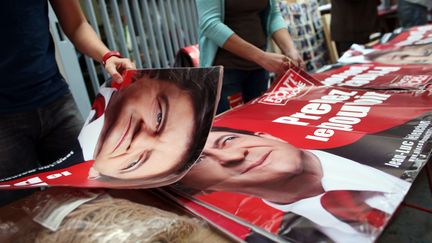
(352,22)
(39,120)
(234,34)
(413,12)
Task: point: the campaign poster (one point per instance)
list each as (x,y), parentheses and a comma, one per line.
(227,223)
(418,35)
(378,76)
(410,47)
(145,132)
(309,162)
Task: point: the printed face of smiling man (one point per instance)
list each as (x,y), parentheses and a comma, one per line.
(245,163)
(147,131)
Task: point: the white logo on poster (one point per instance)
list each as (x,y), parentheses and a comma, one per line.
(290,87)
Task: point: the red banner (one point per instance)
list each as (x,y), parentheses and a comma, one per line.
(337,160)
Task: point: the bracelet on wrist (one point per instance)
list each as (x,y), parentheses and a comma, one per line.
(110,54)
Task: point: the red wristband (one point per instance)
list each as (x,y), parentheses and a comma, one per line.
(110,54)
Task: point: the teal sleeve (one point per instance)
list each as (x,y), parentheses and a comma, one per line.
(276,21)
(211,21)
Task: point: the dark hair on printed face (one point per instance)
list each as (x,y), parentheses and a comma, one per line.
(232,130)
(202,85)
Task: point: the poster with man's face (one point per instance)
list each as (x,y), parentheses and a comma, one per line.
(309,162)
(417,35)
(145,132)
(377,76)
(411,46)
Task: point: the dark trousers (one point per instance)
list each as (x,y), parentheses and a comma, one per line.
(411,14)
(343,46)
(36,138)
(248,83)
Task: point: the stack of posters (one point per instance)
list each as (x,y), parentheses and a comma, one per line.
(367,122)
(311,162)
(323,158)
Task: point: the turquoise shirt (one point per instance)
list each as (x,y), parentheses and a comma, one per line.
(213,33)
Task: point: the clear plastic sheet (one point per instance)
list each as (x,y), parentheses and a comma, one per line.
(95,216)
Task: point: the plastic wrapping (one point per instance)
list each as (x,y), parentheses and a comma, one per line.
(95,216)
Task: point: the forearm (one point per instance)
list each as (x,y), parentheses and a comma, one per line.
(77,28)
(283,40)
(85,39)
(87,42)
(236,45)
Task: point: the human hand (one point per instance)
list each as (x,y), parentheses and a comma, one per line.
(273,62)
(296,58)
(116,65)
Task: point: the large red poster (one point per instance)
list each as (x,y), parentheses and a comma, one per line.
(335,161)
